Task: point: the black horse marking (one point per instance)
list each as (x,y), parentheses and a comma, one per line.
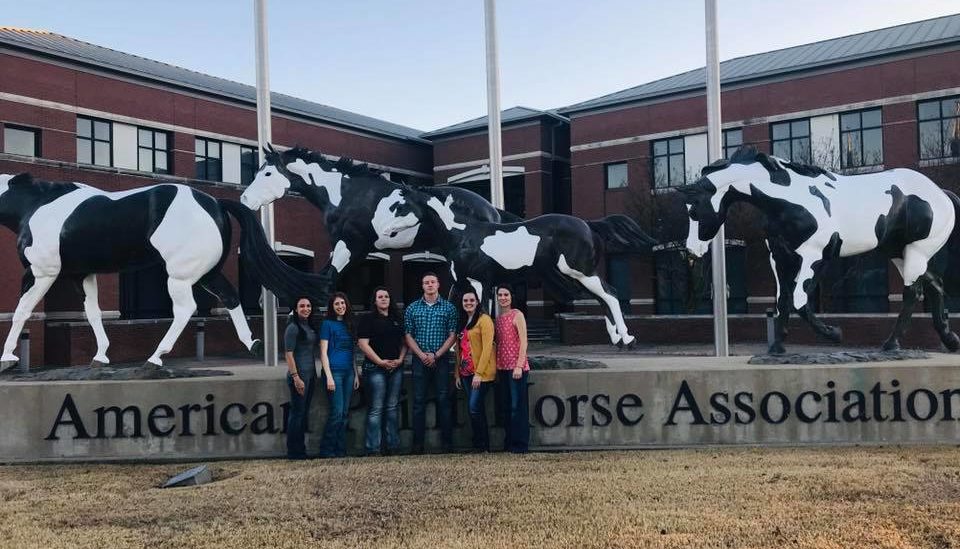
(826,201)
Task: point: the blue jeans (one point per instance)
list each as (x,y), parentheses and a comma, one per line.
(513,410)
(383,396)
(334,442)
(477,406)
(297,416)
(438,376)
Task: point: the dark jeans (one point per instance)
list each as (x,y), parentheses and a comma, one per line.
(383,396)
(297,416)
(513,410)
(477,406)
(334,442)
(438,376)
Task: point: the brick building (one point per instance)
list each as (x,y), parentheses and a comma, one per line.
(872,101)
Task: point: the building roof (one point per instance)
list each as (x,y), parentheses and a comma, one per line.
(59,46)
(856,47)
(509,116)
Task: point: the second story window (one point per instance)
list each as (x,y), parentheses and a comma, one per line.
(669,165)
(732,140)
(94,141)
(791,140)
(152,151)
(208,159)
(616,175)
(248,164)
(21,140)
(939,128)
(861,139)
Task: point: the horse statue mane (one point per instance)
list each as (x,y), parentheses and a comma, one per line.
(343,165)
(748,154)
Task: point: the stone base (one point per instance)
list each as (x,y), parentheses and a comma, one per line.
(840,357)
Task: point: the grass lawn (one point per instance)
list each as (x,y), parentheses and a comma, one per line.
(784,497)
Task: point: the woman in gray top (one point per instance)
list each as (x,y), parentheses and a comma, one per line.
(300,344)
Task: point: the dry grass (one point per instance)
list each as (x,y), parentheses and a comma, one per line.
(845,497)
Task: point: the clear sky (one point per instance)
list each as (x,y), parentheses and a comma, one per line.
(421,62)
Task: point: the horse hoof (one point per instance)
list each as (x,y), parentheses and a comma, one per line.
(952,342)
(7,364)
(148,365)
(834,334)
(256,349)
(891,345)
(776,349)
(98,363)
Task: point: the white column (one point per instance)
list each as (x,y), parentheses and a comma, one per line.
(493,105)
(714,147)
(264,136)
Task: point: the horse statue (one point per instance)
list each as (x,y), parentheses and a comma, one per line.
(356,203)
(561,250)
(76,231)
(815,216)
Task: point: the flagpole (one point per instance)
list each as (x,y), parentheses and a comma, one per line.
(264,136)
(493,104)
(719,264)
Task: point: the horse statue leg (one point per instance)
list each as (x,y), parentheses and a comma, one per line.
(935,294)
(91,307)
(33,290)
(220,287)
(616,326)
(181,293)
(785,266)
(912,267)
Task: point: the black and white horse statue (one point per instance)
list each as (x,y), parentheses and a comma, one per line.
(561,250)
(357,203)
(815,216)
(77,231)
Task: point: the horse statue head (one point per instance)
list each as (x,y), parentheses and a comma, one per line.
(297,169)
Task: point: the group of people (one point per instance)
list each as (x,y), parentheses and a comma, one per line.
(462,348)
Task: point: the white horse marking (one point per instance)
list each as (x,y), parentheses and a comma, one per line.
(181,293)
(313,174)
(91,307)
(27,302)
(268,186)
(511,250)
(453,272)
(384,220)
(595,286)
(240,323)
(478,287)
(340,256)
(696,246)
(445,212)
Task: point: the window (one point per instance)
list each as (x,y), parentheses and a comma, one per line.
(248,164)
(939,128)
(732,140)
(791,140)
(669,167)
(152,151)
(861,139)
(20,140)
(94,141)
(209,165)
(617,175)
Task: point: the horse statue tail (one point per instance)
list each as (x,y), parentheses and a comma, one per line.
(953,244)
(268,269)
(620,234)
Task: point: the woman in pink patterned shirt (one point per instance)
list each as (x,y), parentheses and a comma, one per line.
(512,371)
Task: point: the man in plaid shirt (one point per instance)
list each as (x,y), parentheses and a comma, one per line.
(430,323)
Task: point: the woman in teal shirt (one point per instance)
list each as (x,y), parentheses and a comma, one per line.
(337,342)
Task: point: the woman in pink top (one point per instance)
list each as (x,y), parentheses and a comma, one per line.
(512,371)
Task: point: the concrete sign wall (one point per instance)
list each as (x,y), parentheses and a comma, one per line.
(634,403)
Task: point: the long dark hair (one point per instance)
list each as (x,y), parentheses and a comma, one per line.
(393,311)
(294,318)
(347,316)
(462,323)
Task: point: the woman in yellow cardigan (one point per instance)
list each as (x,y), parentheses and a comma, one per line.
(476,364)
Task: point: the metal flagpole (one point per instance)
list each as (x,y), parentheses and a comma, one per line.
(719,264)
(493,105)
(264,136)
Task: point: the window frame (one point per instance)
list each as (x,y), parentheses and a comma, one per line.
(93,140)
(606,175)
(206,157)
(940,118)
(727,149)
(653,164)
(37,141)
(791,139)
(253,168)
(155,150)
(860,130)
